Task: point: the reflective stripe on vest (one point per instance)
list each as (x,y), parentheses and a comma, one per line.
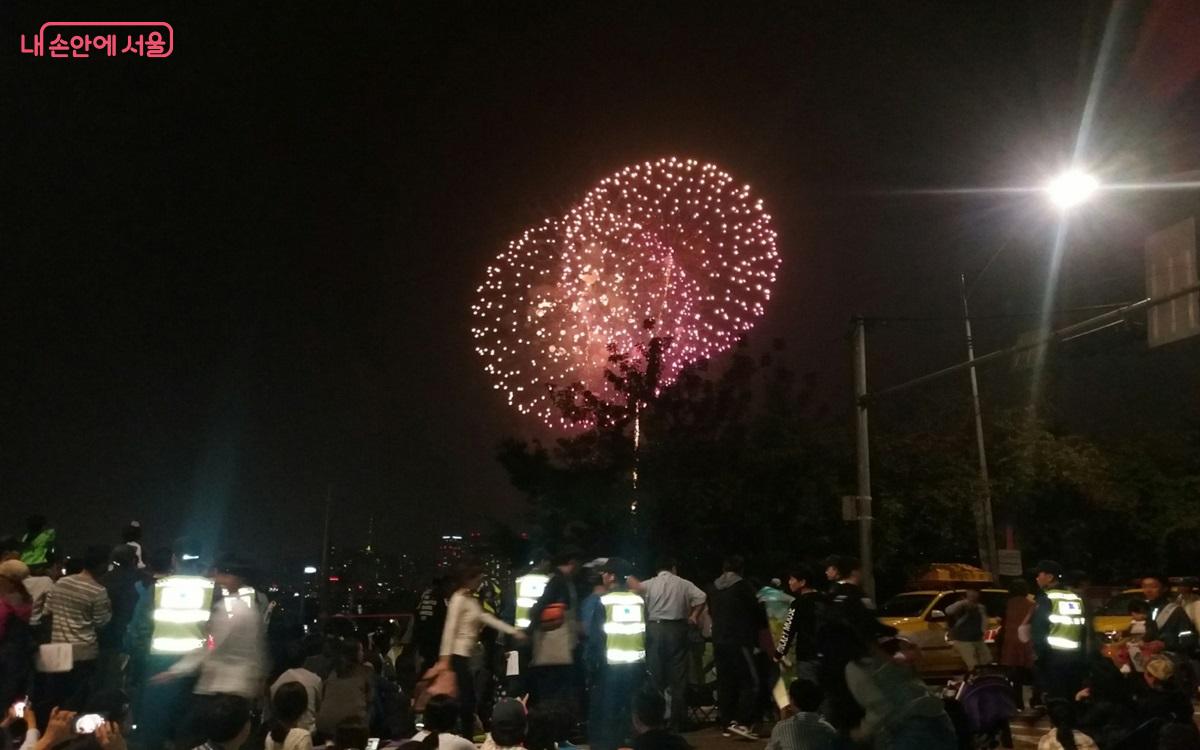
(182,605)
(1066,621)
(624,627)
(530,588)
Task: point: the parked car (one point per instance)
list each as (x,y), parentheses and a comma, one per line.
(920,616)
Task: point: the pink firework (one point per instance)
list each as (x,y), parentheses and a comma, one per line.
(673,242)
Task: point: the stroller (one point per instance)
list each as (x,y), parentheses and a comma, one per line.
(985,700)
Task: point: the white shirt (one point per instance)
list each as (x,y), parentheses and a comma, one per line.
(297,739)
(464,619)
(38,588)
(447,741)
(669,597)
(237,662)
(312,686)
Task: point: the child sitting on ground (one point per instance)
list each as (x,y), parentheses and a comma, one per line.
(805,729)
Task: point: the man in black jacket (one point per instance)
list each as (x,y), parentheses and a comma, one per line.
(737,619)
(800,625)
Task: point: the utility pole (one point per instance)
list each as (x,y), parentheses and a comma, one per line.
(985,530)
(863,455)
(325,556)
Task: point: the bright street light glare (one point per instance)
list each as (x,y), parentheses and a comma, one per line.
(1071,188)
(310,569)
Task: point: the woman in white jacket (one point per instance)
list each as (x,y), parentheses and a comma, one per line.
(465,619)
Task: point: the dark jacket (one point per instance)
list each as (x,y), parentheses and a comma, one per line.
(737,615)
(122,587)
(852,605)
(800,626)
(1176,630)
(559,590)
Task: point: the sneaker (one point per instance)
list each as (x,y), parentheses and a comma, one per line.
(742,731)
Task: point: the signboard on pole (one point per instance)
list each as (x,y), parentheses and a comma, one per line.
(1171,266)
(1009,562)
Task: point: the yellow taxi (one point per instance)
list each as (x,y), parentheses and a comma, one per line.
(1113,618)
(920,616)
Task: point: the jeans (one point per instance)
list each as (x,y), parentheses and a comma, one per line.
(667,661)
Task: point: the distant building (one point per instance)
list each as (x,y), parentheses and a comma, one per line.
(450,550)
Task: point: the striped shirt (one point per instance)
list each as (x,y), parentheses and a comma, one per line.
(79,607)
(804,731)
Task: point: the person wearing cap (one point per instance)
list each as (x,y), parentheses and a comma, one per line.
(1158,695)
(235,663)
(16,641)
(620,623)
(1058,631)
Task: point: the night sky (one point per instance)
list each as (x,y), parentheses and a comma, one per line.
(240,275)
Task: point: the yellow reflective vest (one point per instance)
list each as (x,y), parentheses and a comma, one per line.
(530,588)
(182,605)
(624,627)
(1067,623)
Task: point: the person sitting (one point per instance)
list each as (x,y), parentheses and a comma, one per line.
(441,719)
(289,703)
(346,693)
(650,724)
(509,725)
(1158,696)
(224,721)
(805,729)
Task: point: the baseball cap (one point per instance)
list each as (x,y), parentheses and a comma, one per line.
(617,566)
(14,570)
(1048,566)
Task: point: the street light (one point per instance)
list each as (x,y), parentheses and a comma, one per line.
(1071,188)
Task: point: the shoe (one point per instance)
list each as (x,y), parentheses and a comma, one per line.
(742,731)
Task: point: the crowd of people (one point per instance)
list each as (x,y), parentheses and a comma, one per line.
(164,649)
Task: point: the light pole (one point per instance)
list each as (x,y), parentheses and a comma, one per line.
(985,525)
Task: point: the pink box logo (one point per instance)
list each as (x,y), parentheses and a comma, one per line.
(75,39)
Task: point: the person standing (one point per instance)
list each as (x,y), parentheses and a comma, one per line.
(671,604)
(619,630)
(738,618)
(1016,655)
(78,607)
(1057,630)
(553,630)
(431,620)
(851,603)
(966,634)
(37,544)
(16,639)
(131,536)
(800,625)
(235,663)
(465,618)
(121,583)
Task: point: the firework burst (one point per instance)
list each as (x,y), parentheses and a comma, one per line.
(673,249)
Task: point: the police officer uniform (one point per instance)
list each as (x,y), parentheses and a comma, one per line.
(624,632)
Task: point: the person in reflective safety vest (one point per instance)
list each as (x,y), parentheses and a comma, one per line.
(1067,623)
(530,588)
(624,634)
(182,606)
